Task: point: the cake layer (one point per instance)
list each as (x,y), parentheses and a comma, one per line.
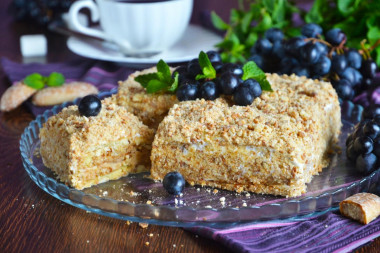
(149,108)
(273,146)
(84,151)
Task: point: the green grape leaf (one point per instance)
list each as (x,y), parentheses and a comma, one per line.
(373,34)
(55,79)
(251,70)
(218,21)
(315,13)
(346,7)
(377,58)
(246,22)
(35,81)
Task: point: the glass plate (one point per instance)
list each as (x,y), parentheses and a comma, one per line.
(137,198)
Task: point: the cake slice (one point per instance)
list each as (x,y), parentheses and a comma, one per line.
(273,146)
(149,108)
(84,151)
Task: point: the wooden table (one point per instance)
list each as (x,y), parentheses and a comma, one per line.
(33,221)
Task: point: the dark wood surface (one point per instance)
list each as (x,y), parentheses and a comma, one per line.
(33,221)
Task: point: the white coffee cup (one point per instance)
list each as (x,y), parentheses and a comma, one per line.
(138,27)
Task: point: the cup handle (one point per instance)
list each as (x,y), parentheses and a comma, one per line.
(94,13)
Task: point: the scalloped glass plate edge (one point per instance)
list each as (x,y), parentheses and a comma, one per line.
(315,205)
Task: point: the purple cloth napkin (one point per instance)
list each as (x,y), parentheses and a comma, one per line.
(103,75)
(326,233)
(329,232)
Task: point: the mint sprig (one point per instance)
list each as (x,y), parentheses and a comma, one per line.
(55,79)
(160,81)
(38,81)
(35,81)
(251,70)
(206,67)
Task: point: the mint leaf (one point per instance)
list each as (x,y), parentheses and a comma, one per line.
(346,7)
(155,85)
(163,71)
(145,79)
(315,13)
(206,66)
(174,85)
(35,80)
(218,22)
(55,79)
(160,81)
(251,70)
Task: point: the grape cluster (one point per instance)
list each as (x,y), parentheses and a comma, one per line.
(227,82)
(41,12)
(311,56)
(363,145)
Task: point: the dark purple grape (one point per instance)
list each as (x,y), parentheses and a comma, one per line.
(363,145)
(19,3)
(366,164)
(217,66)
(292,46)
(209,90)
(371,130)
(350,139)
(335,36)
(174,183)
(352,75)
(187,80)
(368,69)
(258,59)
(193,68)
(263,46)
(278,49)
(376,147)
(287,64)
(89,106)
(311,30)
(354,58)
(228,83)
(243,96)
(310,53)
(322,67)
(344,90)
(187,92)
(182,73)
(51,4)
(274,34)
(301,71)
(339,63)
(372,112)
(254,87)
(214,56)
(322,48)
(232,68)
(351,153)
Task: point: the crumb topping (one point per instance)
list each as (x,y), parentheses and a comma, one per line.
(275,118)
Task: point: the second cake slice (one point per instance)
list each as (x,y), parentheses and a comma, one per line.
(274,146)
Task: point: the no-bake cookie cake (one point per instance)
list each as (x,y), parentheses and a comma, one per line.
(85,151)
(273,146)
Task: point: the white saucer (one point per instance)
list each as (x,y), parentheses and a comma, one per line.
(194,40)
